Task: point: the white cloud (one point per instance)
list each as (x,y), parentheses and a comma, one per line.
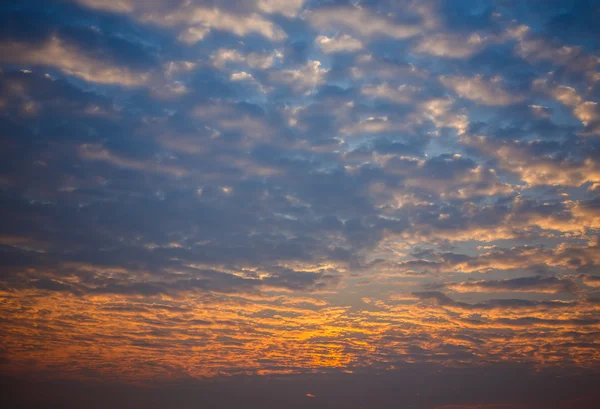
(366,65)
(479,89)
(439,111)
(72,61)
(454,46)
(175,67)
(534,48)
(360,21)
(288,8)
(261,61)
(118,6)
(196,21)
(98,153)
(338,44)
(540,111)
(192,35)
(201,18)
(402,94)
(588,112)
(304,78)
(241,76)
(532,168)
(224,55)
(375,125)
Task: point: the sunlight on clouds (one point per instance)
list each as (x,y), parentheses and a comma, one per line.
(225,335)
(254,60)
(588,112)
(439,111)
(97,153)
(72,61)
(536,170)
(486,91)
(200,19)
(288,8)
(539,49)
(360,21)
(445,45)
(304,78)
(120,6)
(338,44)
(402,94)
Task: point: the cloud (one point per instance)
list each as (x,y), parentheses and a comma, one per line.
(199,19)
(302,79)
(370,66)
(288,8)
(72,60)
(338,44)
(569,259)
(448,176)
(241,76)
(588,112)
(360,21)
(540,111)
(538,162)
(591,281)
(254,60)
(454,46)
(536,48)
(534,284)
(479,89)
(402,94)
(97,153)
(120,6)
(526,306)
(440,112)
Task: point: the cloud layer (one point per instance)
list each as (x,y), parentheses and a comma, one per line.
(193,189)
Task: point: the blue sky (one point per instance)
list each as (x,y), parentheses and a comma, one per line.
(192,190)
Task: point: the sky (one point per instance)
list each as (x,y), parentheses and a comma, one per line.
(300,204)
